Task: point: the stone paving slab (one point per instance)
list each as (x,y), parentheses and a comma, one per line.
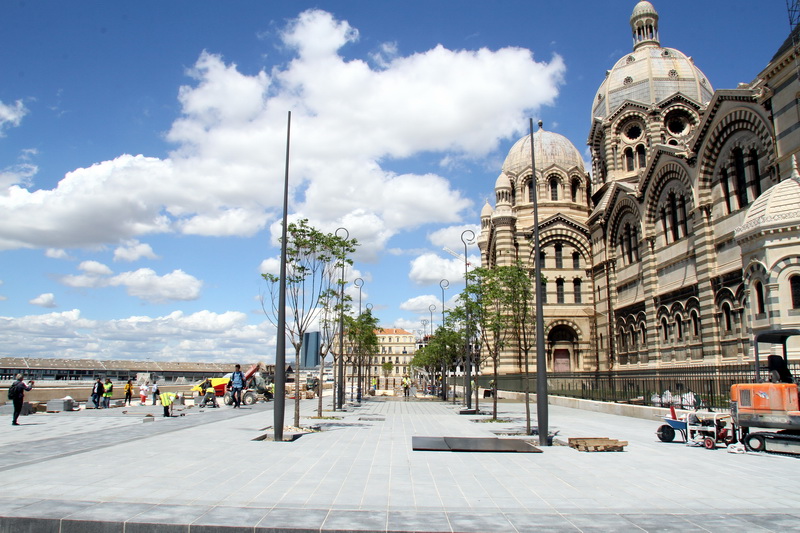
(108,471)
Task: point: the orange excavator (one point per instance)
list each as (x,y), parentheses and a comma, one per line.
(257,385)
(771,403)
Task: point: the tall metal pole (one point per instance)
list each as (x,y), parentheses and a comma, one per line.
(358,282)
(468,332)
(280,349)
(541,359)
(340,385)
(444,284)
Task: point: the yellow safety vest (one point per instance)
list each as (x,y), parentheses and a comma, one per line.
(107,390)
(167,398)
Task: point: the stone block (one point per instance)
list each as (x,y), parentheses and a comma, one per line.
(58,405)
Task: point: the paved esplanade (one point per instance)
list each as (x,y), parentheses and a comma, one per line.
(109,471)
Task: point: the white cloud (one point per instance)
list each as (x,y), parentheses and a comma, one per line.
(147,285)
(143,283)
(225,173)
(421,305)
(202,336)
(432,268)
(47,299)
(19,174)
(56,253)
(133,250)
(95,268)
(11,115)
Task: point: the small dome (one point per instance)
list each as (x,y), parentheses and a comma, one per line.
(487,210)
(502,182)
(776,208)
(643,9)
(550,149)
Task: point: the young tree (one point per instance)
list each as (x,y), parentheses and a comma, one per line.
(486,300)
(311,256)
(362,338)
(517,282)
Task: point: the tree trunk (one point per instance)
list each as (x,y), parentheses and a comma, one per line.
(494,390)
(321,384)
(297,387)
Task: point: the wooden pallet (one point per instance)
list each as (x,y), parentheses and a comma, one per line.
(598,444)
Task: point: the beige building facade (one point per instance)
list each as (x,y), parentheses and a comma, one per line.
(651,259)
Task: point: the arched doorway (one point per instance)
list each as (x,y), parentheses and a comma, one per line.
(562,341)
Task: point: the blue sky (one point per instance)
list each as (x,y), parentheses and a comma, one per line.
(142,148)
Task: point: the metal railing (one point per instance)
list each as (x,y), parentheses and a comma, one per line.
(706,387)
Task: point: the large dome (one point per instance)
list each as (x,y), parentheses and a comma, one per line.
(549,148)
(650,73)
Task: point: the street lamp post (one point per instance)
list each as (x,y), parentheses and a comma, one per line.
(340,385)
(445,284)
(541,358)
(467,350)
(358,282)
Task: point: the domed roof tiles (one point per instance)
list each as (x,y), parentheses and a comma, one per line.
(549,148)
(776,208)
(650,73)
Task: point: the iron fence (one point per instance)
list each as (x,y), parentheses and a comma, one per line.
(706,387)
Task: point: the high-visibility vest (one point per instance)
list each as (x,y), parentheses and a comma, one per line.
(167,398)
(108,388)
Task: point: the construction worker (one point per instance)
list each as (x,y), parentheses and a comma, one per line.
(209,395)
(167,399)
(108,391)
(270,390)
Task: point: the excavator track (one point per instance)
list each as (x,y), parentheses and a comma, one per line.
(773,443)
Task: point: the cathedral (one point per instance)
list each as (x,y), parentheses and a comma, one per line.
(683,239)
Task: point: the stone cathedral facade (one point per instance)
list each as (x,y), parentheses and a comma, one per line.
(684,238)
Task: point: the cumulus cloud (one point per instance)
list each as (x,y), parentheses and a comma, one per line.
(143,283)
(348,117)
(431,268)
(133,250)
(11,115)
(56,253)
(202,336)
(47,299)
(147,285)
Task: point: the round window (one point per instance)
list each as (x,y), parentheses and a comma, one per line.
(633,132)
(676,125)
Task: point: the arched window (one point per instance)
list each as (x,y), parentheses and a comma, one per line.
(622,344)
(643,334)
(741,180)
(682,216)
(664,330)
(576,260)
(559,255)
(629,159)
(794,282)
(531,190)
(575,186)
(753,164)
(632,338)
(544,291)
(553,189)
(560,291)
(695,324)
(679,327)
(673,216)
(541,257)
(727,323)
(759,290)
(576,284)
(640,155)
(726,190)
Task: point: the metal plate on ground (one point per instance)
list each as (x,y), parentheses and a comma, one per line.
(472,444)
